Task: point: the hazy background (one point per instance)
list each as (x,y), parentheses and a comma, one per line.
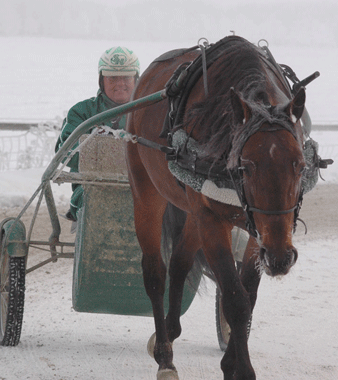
(290,22)
(49,49)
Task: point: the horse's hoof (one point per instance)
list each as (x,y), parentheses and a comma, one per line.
(167,374)
(151,345)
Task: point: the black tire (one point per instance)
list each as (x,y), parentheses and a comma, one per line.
(222,326)
(12,296)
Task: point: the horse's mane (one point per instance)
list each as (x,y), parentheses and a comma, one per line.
(240,67)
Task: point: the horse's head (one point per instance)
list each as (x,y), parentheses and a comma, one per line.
(272,162)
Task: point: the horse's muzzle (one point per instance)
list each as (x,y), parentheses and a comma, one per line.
(277,263)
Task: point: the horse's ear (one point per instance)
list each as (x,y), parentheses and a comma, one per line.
(295,108)
(242,112)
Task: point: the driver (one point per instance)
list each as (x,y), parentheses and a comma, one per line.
(119,70)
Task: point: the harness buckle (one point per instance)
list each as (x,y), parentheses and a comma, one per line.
(175,83)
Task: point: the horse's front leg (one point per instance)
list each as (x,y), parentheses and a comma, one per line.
(251,270)
(236,305)
(250,277)
(216,243)
(148,224)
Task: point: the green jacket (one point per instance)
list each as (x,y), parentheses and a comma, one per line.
(81,112)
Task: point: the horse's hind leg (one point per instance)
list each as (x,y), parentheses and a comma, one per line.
(148,224)
(185,246)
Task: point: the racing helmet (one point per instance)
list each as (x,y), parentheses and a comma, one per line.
(119,61)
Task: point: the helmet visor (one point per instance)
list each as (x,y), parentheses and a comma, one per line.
(116,73)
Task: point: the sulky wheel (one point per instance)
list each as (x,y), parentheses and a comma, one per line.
(222,327)
(12,294)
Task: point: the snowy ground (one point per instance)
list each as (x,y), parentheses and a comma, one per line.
(294,333)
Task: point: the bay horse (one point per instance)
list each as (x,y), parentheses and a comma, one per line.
(247,123)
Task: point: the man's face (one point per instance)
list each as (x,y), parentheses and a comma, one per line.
(119,88)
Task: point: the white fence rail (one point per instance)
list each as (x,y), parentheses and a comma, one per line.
(24,148)
(31,145)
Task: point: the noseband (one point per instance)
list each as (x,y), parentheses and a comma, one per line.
(248,210)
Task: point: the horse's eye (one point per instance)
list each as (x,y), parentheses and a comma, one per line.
(299,168)
(302,169)
(245,169)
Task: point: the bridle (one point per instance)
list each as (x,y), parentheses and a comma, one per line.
(249,210)
(236,176)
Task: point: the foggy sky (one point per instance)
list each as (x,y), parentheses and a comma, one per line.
(295,22)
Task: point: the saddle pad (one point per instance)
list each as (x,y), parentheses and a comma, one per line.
(223,195)
(198,182)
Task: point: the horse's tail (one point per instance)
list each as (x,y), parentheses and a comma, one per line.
(172,228)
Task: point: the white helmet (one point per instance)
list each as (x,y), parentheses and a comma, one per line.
(119,61)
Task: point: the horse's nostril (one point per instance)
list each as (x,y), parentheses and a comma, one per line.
(293,256)
(264,255)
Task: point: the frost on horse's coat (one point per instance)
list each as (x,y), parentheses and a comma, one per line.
(242,87)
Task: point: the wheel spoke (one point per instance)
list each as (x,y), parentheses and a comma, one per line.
(4,292)
(4,299)
(3,310)
(4,270)
(4,286)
